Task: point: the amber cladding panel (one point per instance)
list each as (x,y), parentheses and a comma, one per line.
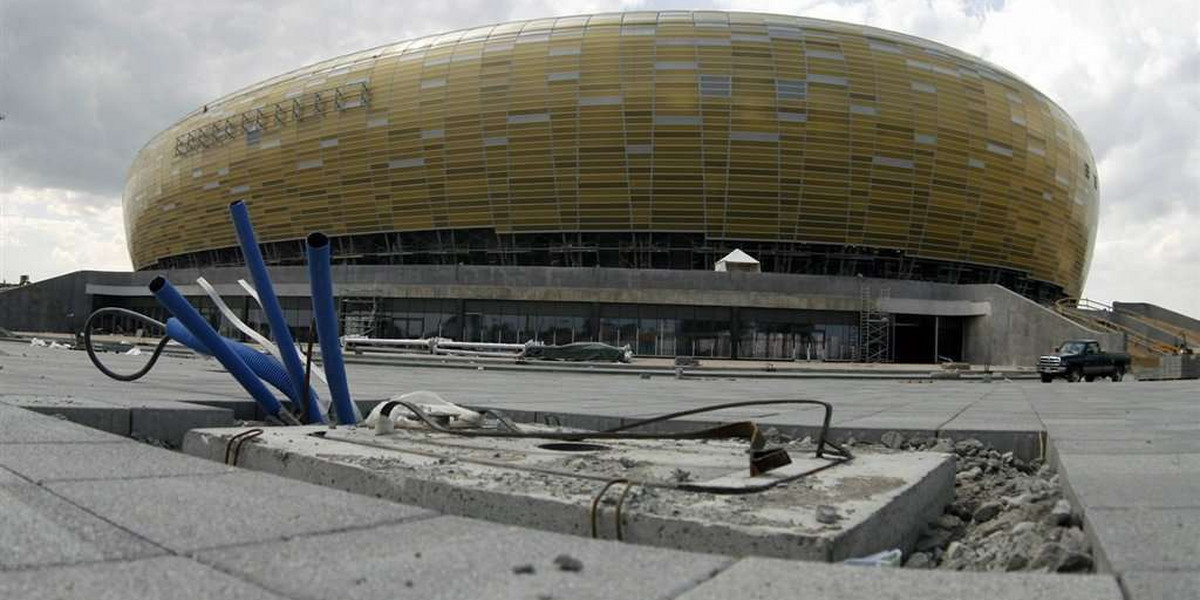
(736,126)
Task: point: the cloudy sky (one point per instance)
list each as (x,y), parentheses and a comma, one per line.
(84,84)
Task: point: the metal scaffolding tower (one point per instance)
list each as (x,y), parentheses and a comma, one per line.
(360,316)
(874,327)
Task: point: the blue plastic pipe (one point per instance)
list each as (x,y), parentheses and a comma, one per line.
(270,303)
(321,280)
(170,298)
(263,365)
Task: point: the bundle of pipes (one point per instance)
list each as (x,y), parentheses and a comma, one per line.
(248,366)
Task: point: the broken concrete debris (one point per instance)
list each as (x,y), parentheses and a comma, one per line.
(892,439)
(1007,515)
(987,512)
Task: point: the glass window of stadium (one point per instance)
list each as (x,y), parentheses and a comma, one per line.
(652,330)
(514,322)
(796,334)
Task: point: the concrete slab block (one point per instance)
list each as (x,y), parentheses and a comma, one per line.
(162,578)
(244,409)
(67,461)
(1096,429)
(885,421)
(202,511)
(1144,539)
(769,579)
(39,528)
(168,421)
(1160,585)
(1132,481)
(994,422)
(83,411)
(452,557)
(874,435)
(1157,445)
(22,426)
(882,498)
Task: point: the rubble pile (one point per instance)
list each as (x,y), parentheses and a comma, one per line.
(1007,515)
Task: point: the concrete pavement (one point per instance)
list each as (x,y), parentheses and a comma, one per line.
(172,527)
(1128,454)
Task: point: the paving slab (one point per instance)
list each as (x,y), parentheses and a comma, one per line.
(162,578)
(1165,445)
(22,426)
(244,409)
(453,557)
(192,512)
(168,421)
(882,422)
(1161,585)
(39,528)
(83,411)
(997,421)
(771,579)
(1139,539)
(122,460)
(1133,480)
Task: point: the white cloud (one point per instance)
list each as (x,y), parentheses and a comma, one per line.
(47,232)
(85,86)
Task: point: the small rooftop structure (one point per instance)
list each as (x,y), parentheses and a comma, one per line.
(738,261)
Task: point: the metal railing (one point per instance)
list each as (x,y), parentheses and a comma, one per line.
(1097,315)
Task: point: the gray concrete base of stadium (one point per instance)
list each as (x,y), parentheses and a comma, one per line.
(89,513)
(720,315)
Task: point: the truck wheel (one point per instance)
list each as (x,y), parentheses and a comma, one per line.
(1074,375)
(1047,378)
(1118,375)
(1089,378)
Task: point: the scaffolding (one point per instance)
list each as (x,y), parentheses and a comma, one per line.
(360,317)
(874,327)
(252,123)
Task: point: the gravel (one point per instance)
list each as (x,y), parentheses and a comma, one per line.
(892,439)
(568,563)
(1007,515)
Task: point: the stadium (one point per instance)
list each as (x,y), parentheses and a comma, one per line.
(582,178)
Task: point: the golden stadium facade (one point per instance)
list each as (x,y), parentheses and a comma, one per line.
(641,139)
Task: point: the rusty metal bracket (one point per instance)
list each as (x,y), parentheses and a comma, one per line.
(233,447)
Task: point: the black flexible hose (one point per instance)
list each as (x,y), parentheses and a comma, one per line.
(91,352)
(824,446)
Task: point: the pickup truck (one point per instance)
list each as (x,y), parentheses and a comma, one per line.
(1082,359)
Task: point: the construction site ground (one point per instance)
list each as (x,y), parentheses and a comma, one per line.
(652,365)
(89,513)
